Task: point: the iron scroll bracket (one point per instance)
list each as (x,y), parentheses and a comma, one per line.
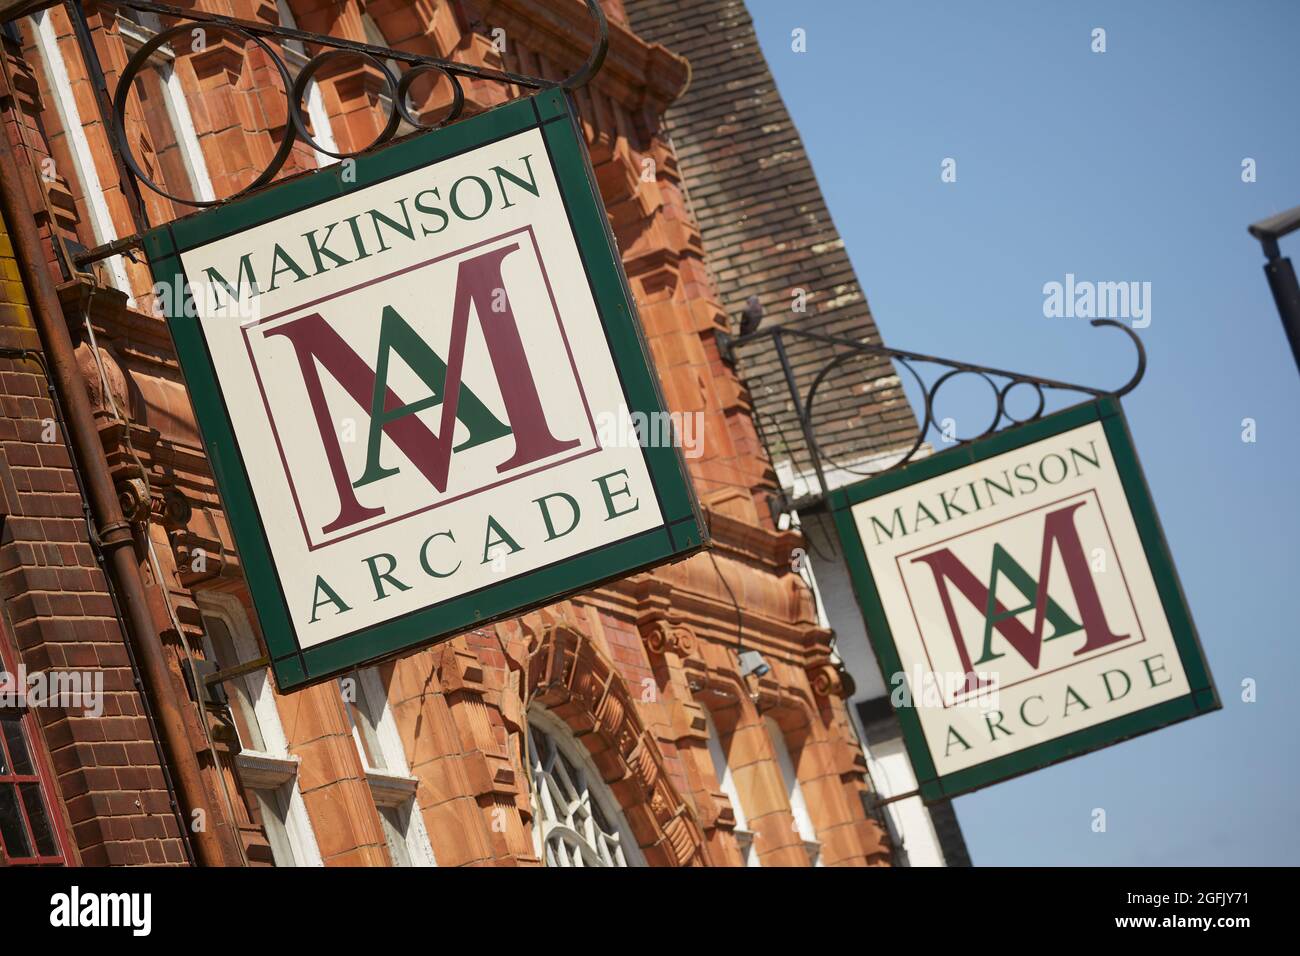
(267,38)
(802,389)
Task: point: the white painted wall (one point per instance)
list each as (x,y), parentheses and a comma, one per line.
(887,760)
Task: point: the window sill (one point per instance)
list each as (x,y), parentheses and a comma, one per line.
(262,771)
(389,789)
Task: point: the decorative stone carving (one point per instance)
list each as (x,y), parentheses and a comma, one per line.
(829,678)
(133,495)
(569,674)
(662,637)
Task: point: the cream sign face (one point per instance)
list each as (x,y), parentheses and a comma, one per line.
(406,373)
(1021,600)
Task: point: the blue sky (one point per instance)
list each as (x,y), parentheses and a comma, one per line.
(1123,165)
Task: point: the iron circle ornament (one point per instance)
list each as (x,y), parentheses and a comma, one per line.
(824,373)
(299,87)
(1006,390)
(998,410)
(404,88)
(267,36)
(124,85)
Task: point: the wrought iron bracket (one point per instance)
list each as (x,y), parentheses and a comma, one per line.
(804,403)
(267,38)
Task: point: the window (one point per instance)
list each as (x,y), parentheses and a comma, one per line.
(28,832)
(798,806)
(275,821)
(265,765)
(364,725)
(396,821)
(384,758)
(295,54)
(744,837)
(221,648)
(576,820)
(375,37)
(83,160)
(171,126)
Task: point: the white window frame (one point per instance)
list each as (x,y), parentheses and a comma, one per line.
(375,37)
(391,786)
(135,35)
(798,805)
(275,768)
(296,54)
(726,780)
(597,791)
(83,158)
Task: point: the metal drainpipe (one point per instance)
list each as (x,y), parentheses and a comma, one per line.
(116,538)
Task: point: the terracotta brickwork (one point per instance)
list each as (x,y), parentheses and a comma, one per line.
(767,230)
(636,671)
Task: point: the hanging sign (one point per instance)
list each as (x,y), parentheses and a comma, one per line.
(423,389)
(1021,600)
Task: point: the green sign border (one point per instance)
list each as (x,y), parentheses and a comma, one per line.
(1201,697)
(682,531)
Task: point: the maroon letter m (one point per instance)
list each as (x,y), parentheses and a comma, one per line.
(1058,532)
(478,284)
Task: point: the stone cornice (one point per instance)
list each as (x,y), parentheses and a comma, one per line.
(751,543)
(711,616)
(639,75)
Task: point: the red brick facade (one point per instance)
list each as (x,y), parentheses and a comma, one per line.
(638,672)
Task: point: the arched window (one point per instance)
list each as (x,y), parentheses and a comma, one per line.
(576,820)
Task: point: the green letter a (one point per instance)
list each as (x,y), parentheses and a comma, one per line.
(395,335)
(1005,564)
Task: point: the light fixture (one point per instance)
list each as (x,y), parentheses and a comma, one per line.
(751,662)
(1280,273)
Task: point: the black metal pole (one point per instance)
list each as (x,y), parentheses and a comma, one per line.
(1280,273)
(1286,293)
(805,425)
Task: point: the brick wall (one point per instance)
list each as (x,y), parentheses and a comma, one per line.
(107,769)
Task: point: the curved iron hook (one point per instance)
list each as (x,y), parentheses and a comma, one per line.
(1141,354)
(930,391)
(597,56)
(294,87)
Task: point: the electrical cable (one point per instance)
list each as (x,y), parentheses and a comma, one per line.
(740,630)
